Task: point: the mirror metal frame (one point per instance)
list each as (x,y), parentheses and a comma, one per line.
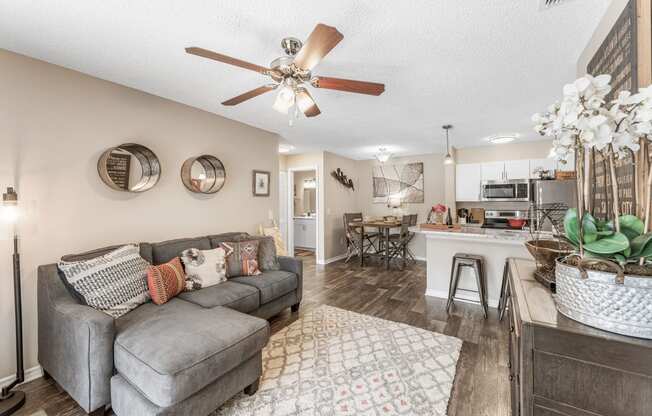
(149,164)
(211,165)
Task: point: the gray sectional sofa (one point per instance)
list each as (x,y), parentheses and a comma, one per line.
(186,357)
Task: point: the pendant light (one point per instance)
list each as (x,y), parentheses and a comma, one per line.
(448,159)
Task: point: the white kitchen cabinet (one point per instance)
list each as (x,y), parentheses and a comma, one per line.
(493,171)
(468,177)
(517,169)
(305,232)
(545,164)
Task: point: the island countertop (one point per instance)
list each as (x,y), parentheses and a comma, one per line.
(481,234)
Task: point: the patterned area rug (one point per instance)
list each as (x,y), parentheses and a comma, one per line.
(337,362)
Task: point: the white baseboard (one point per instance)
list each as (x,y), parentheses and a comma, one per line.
(332,259)
(493,303)
(31,374)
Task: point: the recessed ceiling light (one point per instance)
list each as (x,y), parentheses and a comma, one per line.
(503,138)
(285,148)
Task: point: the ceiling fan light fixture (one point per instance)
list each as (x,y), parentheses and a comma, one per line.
(286,97)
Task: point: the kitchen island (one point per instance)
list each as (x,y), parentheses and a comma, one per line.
(494,245)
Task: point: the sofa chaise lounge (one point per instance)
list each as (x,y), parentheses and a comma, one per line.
(185,357)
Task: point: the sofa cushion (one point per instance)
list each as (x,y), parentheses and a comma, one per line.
(271,285)
(242,298)
(204,268)
(167,250)
(145,250)
(172,351)
(242,259)
(216,239)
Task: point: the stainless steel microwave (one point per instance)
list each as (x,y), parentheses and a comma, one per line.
(512,190)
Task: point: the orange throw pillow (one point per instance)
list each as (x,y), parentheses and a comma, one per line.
(165,281)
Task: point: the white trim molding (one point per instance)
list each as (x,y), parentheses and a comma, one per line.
(332,259)
(31,374)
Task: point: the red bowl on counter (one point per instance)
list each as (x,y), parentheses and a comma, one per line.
(516,222)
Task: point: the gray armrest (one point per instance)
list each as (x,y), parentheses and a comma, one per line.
(75,342)
(294,265)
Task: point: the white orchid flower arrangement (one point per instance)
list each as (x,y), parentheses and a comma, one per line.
(583,120)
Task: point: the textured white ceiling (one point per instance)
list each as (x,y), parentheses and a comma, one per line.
(484,66)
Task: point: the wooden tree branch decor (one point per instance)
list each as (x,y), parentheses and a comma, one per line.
(342,178)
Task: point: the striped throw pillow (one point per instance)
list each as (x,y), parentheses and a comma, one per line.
(165,281)
(114,283)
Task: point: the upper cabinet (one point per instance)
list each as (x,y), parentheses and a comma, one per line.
(493,171)
(468,177)
(506,170)
(517,169)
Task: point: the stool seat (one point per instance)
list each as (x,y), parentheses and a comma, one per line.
(476,262)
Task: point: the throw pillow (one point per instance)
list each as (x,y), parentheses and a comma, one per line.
(267,259)
(165,281)
(243,260)
(114,283)
(204,268)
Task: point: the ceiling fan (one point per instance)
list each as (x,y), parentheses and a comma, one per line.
(293,72)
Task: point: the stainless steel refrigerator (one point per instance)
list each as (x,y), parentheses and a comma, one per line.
(548,195)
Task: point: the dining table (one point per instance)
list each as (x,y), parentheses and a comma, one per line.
(384,227)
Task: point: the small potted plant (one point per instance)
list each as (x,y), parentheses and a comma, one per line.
(607,281)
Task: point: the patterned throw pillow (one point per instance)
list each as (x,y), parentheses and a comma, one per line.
(165,281)
(114,283)
(243,258)
(267,258)
(204,268)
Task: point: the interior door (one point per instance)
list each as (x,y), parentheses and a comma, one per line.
(493,171)
(517,169)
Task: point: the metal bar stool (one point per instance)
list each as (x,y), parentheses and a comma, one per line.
(477,264)
(504,292)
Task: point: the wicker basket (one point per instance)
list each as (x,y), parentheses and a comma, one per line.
(546,252)
(613,302)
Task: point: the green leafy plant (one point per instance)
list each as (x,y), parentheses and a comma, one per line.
(600,238)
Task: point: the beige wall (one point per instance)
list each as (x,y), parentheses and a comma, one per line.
(434,192)
(55,123)
(609,19)
(338,200)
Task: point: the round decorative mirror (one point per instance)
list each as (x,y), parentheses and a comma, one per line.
(129,167)
(203,174)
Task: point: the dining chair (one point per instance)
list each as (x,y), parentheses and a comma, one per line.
(413,222)
(353,244)
(399,242)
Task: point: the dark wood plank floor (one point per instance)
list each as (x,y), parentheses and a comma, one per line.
(481,387)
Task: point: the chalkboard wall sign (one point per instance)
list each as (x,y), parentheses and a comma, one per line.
(617,56)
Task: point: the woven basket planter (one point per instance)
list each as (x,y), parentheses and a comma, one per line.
(613,302)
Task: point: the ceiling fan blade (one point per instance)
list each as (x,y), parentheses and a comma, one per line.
(248,95)
(205,53)
(306,103)
(348,85)
(321,41)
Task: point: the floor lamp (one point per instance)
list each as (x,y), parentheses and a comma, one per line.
(12,400)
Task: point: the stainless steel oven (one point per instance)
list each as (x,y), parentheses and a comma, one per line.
(513,190)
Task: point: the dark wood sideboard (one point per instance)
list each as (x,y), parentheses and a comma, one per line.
(559,367)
